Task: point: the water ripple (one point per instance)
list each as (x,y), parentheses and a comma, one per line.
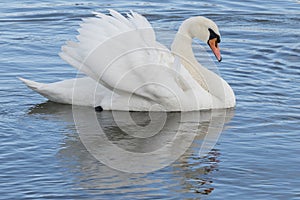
(256,157)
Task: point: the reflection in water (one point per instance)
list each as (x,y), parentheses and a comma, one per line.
(192,171)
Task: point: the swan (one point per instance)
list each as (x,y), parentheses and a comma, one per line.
(127,69)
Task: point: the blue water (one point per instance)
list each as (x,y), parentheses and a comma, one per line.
(256,156)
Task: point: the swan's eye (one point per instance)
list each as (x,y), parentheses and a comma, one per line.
(213,35)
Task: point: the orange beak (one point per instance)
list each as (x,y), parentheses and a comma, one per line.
(213,44)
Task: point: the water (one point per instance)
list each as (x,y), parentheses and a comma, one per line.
(256,156)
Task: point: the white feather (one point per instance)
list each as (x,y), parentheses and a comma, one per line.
(134,71)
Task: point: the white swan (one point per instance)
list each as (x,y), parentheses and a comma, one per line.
(127,69)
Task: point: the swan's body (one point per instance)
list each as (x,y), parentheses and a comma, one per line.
(128,69)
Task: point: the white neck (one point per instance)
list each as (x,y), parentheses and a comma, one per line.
(182,47)
(194,27)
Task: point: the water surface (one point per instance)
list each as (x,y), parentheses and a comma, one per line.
(256,156)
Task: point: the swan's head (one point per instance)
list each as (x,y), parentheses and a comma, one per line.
(205,30)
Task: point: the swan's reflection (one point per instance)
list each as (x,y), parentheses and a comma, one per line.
(201,128)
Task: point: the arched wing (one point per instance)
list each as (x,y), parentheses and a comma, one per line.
(122,54)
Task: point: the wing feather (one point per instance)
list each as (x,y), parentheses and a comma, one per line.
(122,54)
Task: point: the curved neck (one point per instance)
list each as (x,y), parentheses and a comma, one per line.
(182,44)
(194,27)
(182,47)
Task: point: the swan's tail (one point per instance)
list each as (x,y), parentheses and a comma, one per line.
(50,91)
(77,91)
(32,84)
